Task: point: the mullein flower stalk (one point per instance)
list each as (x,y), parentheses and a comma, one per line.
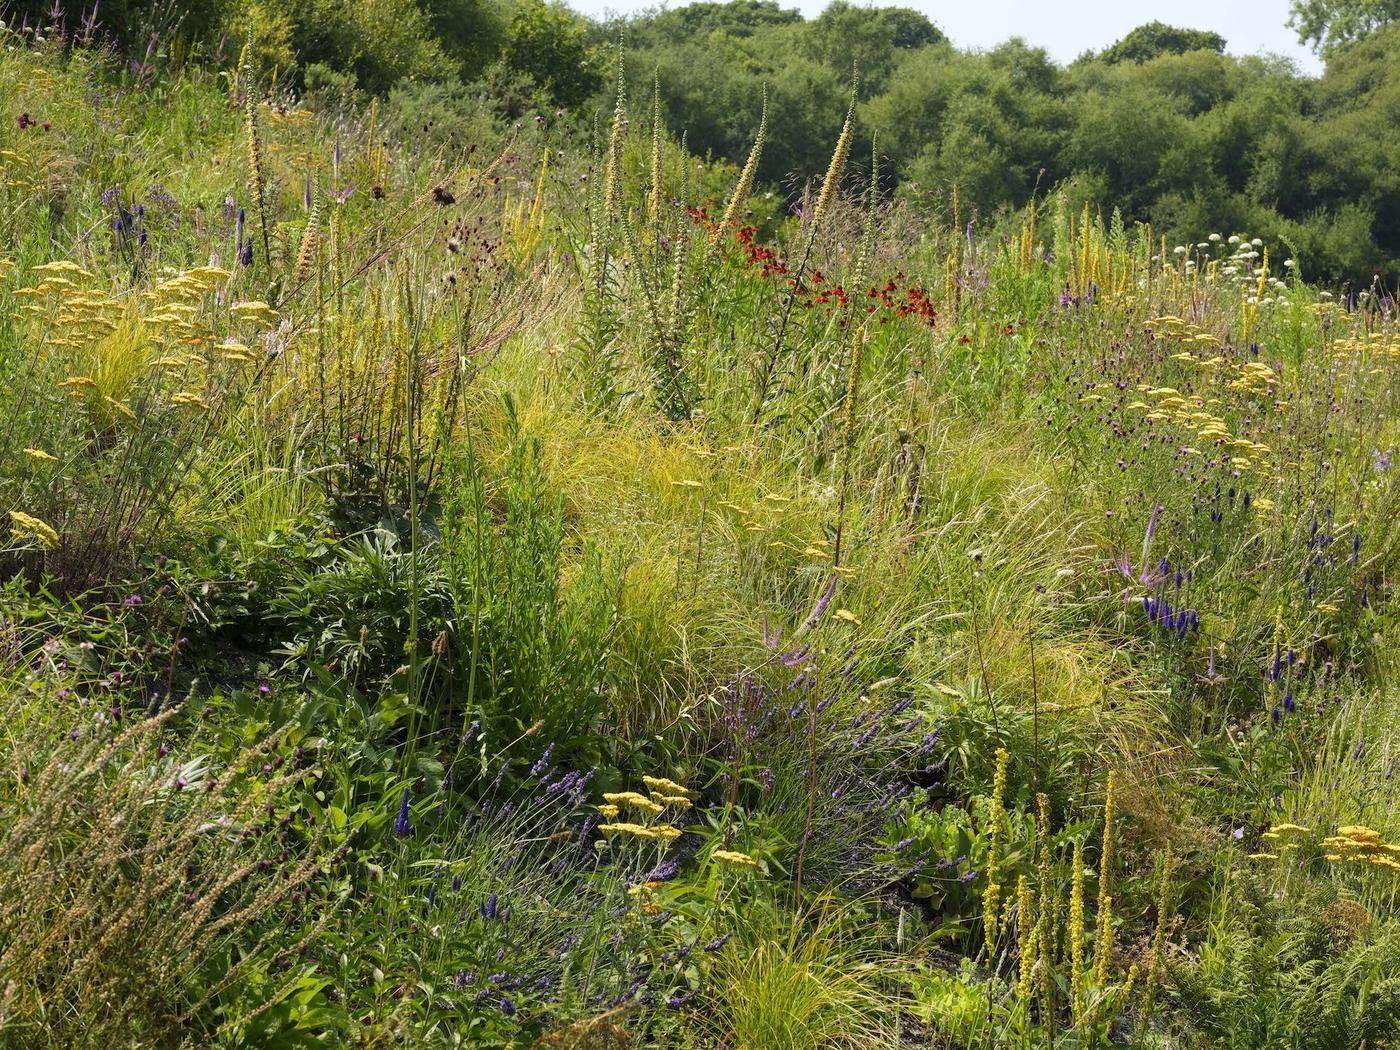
(675,333)
(991,897)
(1026,930)
(836,168)
(1159,940)
(654,197)
(255,164)
(1048,917)
(236,82)
(867,239)
(306,253)
(1076,930)
(730,218)
(612,178)
(1103,930)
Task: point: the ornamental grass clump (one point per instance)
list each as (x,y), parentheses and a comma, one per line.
(147,883)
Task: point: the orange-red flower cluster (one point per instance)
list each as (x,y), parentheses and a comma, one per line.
(894,298)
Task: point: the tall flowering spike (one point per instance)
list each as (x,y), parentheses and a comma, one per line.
(818,610)
(612,192)
(1159,940)
(403,823)
(1047,906)
(1076,928)
(237,80)
(255,165)
(991,897)
(654,198)
(1026,941)
(837,167)
(306,254)
(746,176)
(1103,930)
(867,240)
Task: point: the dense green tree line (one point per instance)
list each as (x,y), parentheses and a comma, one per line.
(1163,124)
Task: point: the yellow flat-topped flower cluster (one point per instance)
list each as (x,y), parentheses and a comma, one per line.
(664,794)
(734,857)
(25,526)
(1360,844)
(1285,836)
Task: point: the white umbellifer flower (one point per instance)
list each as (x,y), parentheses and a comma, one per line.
(1215,238)
(1325,295)
(1234,240)
(1180,249)
(1289,264)
(1257,243)
(1202,244)
(1230,269)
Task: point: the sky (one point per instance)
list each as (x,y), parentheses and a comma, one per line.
(1067,28)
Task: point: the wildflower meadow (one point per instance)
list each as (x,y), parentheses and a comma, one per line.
(522,582)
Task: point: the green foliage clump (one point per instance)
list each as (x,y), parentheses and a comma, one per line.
(1155,39)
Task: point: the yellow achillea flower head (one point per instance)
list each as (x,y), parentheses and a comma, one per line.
(608,810)
(255,310)
(645,893)
(625,828)
(62,266)
(665,786)
(729,856)
(41,455)
(633,800)
(23,525)
(1359,833)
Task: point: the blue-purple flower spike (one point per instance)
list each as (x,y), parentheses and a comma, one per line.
(403,823)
